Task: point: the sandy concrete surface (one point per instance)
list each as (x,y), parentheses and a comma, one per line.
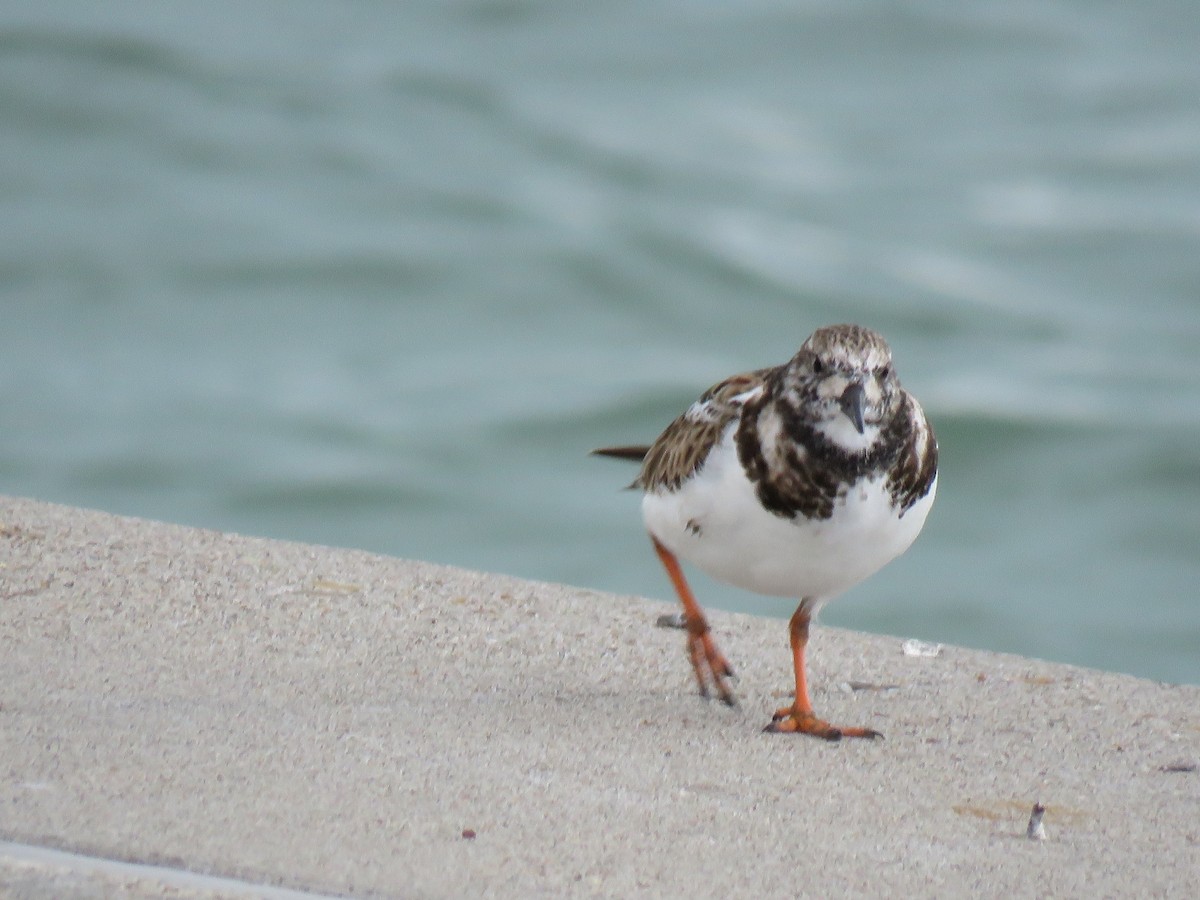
(325,720)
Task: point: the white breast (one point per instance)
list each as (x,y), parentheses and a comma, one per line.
(715,521)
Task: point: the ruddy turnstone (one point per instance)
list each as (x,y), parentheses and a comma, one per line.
(795,481)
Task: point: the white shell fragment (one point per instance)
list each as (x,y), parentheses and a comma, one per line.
(913,647)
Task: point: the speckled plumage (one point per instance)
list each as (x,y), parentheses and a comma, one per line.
(798,480)
(814,469)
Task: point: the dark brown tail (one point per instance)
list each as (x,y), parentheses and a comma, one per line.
(633,454)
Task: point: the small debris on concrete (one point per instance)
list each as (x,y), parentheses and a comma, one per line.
(1180,767)
(913,647)
(847,687)
(1036,831)
(671,620)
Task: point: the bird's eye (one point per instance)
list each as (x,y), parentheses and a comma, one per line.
(818,366)
(885,372)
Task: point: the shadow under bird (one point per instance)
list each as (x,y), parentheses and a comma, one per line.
(799,480)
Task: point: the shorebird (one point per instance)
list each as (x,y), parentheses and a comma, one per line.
(799,480)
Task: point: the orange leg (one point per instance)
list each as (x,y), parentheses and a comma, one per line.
(707,661)
(799,717)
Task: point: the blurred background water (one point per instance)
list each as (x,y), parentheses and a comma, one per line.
(380,274)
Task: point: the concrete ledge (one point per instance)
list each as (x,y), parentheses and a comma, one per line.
(330,721)
(27,871)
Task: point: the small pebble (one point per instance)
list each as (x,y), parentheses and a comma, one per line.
(1036,831)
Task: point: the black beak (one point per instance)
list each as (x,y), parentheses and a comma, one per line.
(852,404)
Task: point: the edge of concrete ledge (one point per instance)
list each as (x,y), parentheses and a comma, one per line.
(25,868)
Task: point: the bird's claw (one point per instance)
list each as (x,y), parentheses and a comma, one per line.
(792,721)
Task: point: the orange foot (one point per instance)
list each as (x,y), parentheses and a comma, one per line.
(790,720)
(709,663)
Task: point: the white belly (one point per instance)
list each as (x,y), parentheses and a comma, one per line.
(715,522)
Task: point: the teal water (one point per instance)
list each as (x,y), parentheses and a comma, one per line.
(379,275)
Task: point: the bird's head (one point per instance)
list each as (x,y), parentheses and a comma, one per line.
(843,383)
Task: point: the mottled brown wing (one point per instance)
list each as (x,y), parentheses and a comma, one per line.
(914,472)
(684,445)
